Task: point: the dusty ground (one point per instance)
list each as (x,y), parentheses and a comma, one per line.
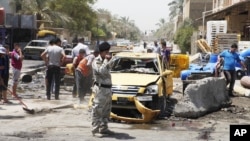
(74,124)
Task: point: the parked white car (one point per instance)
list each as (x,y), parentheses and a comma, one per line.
(34,49)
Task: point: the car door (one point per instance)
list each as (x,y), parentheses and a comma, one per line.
(167,78)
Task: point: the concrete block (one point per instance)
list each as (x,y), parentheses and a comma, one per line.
(204,96)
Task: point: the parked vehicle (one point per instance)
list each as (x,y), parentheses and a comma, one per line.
(34,49)
(68,58)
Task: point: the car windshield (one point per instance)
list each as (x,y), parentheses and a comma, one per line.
(135,65)
(38,44)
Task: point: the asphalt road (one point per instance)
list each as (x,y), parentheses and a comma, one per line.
(58,120)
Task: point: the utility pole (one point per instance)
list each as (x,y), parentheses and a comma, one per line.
(203,19)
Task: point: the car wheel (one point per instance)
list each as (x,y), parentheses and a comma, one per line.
(159,103)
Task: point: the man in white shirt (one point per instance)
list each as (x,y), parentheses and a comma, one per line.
(156,48)
(79,46)
(54,57)
(75,52)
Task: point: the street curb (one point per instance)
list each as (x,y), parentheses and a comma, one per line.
(33,71)
(63,106)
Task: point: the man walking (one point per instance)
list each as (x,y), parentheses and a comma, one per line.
(230,57)
(75,52)
(55,59)
(102,91)
(81,74)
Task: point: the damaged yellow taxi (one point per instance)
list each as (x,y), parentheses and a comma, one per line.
(141,85)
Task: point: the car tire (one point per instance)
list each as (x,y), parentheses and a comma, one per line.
(159,103)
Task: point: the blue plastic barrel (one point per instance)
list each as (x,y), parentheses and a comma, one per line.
(185,74)
(213,58)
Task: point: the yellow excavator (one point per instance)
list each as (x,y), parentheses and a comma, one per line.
(46,35)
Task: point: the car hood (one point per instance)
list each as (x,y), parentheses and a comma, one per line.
(133,79)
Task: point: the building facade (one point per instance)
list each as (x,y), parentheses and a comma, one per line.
(236,13)
(192,9)
(221,4)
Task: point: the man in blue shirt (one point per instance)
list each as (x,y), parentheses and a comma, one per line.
(230,57)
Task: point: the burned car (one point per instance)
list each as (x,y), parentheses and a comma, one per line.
(140,83)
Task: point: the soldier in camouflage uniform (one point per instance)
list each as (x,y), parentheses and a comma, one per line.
(102,90)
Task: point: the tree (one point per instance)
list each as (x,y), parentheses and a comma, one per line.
(161,22)
(42,10)
(103,20)
(183,36)
(165,31)
(84,17)
(78,16)
(176,8)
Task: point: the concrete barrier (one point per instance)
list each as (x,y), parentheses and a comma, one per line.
(202,97)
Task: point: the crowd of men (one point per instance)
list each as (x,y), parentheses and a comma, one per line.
(54,57)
